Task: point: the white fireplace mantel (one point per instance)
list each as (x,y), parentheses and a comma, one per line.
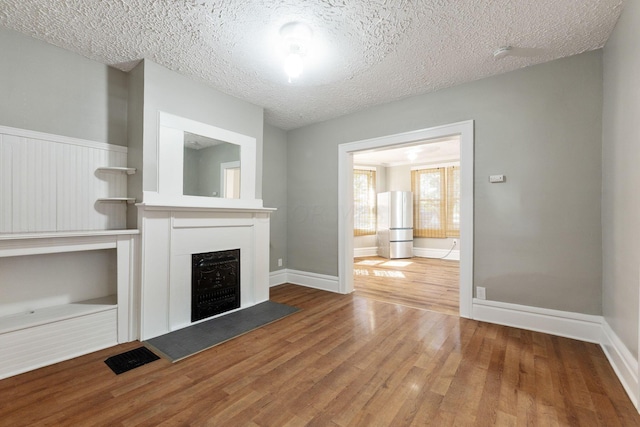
(171,234)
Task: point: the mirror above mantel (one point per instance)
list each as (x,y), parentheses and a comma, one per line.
(201,165)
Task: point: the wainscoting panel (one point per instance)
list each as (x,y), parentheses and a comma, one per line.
(43,345)
(51,183)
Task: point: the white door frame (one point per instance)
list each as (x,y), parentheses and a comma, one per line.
(223,176)
(345,201)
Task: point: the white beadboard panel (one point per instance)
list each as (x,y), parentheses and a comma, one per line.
(6,182)
(50,183)
(33,185)
(33,348)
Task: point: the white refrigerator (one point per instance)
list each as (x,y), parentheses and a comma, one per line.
(395,224)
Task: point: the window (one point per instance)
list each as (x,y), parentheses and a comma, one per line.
(436,202)
(364,202)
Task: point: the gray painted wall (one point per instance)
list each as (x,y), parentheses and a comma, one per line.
(538,236)
(621,178)
(135,128)
(274,192)
(170,92)
(381,187)
(48,89)
(399,178)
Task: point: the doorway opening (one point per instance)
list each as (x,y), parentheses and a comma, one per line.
(464,132)
(407,223)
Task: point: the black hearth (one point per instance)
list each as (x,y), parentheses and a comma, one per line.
(215,283)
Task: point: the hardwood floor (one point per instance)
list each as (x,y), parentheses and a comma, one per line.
(427,283)
(343,360)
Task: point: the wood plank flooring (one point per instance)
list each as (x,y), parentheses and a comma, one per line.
(427,283)
(343,360)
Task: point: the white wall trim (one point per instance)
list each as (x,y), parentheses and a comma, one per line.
(583,327)
(277,277)
(436,253)
(313,280)
(465,130)
(61,139)
(305,278)
(621,360)
(370,251)
(418,252)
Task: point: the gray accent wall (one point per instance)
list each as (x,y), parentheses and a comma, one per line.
(621,178)
(537,236)
(173,93)
(135,128)
(48,89)
(274,192)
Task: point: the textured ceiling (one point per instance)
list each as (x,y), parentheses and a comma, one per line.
(366,52)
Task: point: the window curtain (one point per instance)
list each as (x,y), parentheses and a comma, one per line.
(453,201)
(364,202)
(436,202)
(429,204)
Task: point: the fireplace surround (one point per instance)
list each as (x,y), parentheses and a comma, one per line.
(170,235)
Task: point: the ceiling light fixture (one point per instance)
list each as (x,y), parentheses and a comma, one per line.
(296,37)
(501,52)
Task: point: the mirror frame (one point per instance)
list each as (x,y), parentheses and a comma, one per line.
(171,131)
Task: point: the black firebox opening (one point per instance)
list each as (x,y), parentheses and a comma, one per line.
(215,283)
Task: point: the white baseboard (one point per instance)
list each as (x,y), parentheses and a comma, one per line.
(277,277)
(436,253)
(360,252)
(418,252)
(621,360)
(305,278)
(583,327)
(567,324)
(314,280)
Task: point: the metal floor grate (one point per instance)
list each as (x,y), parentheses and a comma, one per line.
(131,359)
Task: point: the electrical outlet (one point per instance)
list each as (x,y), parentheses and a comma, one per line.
(481,293)
(279,262)
(455,242)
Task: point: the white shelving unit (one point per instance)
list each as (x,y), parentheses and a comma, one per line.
(129,200)
(117,169)
(128,171)
(57,313)
(45,335)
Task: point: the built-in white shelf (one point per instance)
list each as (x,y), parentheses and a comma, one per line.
(42,316)
(128,171)
(42,335)
(117,169)
(129,200)
(66,234)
